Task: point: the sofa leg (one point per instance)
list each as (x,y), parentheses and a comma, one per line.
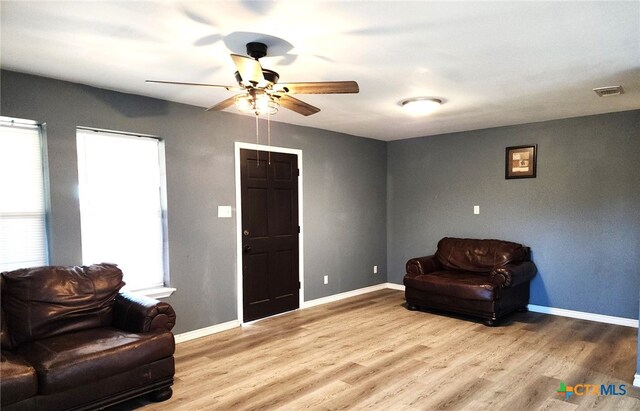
(412,307)
(523,309)
(489,323)
(162,394)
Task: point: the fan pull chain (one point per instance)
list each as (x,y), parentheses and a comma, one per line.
(257,143)
(269,134)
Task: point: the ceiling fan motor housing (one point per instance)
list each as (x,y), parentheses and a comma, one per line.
(256,50)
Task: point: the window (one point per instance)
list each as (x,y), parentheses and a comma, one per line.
(121,191)
(23,233)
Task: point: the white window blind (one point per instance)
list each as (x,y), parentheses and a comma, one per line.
(120,205)
(23,235)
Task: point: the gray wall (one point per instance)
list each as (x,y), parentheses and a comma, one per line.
(344,190)
(580,216)
(367,202)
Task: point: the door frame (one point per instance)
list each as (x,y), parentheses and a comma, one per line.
(239,274)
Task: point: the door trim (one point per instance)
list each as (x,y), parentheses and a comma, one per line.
(239,274)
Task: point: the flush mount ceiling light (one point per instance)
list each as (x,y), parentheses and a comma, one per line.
(421,106)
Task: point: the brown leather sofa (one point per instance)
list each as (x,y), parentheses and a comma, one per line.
(72,341)
(483,278)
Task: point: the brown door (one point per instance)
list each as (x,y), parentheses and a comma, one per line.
(270,229)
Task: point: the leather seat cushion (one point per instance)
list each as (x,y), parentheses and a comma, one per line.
(77,358)
(454,283)
(19,379)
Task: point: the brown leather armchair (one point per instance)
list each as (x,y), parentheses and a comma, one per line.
(483,278)
(72,341)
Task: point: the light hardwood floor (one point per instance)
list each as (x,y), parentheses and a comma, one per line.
(371,352)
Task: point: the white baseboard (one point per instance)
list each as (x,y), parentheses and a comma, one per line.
(627,322)
(636,380)
(203,332)
(394,286)
(342,296)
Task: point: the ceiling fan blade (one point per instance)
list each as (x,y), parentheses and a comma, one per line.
(321,87)
(223,104)
(250,69)
(192,84)
(298,106)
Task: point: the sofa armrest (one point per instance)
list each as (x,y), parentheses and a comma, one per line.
(136,313)
(513,274)
(423,265)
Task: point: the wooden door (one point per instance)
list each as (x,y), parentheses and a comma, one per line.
(270,231)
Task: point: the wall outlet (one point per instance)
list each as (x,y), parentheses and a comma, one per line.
(326,279)
(476,209)
(375,269)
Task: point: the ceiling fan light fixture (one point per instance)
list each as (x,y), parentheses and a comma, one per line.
(266,104)
(256,104)
(421,106)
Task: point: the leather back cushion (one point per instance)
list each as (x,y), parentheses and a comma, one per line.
(479,255)
(46,301)
(5,341)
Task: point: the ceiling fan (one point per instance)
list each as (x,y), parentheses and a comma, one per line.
(260,92)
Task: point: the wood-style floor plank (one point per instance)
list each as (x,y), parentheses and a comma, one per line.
(369,352)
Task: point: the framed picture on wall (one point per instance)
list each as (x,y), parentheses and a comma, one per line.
(520,162)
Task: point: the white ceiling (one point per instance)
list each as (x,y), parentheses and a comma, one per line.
(495,63)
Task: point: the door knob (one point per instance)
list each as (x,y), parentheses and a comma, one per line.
(246,249)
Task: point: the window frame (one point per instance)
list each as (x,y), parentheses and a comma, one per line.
(6,121)
(163,290)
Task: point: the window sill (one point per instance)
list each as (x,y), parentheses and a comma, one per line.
(160,292)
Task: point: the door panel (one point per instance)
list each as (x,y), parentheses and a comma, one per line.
(270,233)
(257,290)
(257,203)
(282,224)
(281,171)
(286,284)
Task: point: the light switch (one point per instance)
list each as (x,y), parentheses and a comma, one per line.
(476,209)
(224,211)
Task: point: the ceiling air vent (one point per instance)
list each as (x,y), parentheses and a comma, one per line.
(608,91)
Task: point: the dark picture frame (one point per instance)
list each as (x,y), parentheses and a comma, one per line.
(521,161)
